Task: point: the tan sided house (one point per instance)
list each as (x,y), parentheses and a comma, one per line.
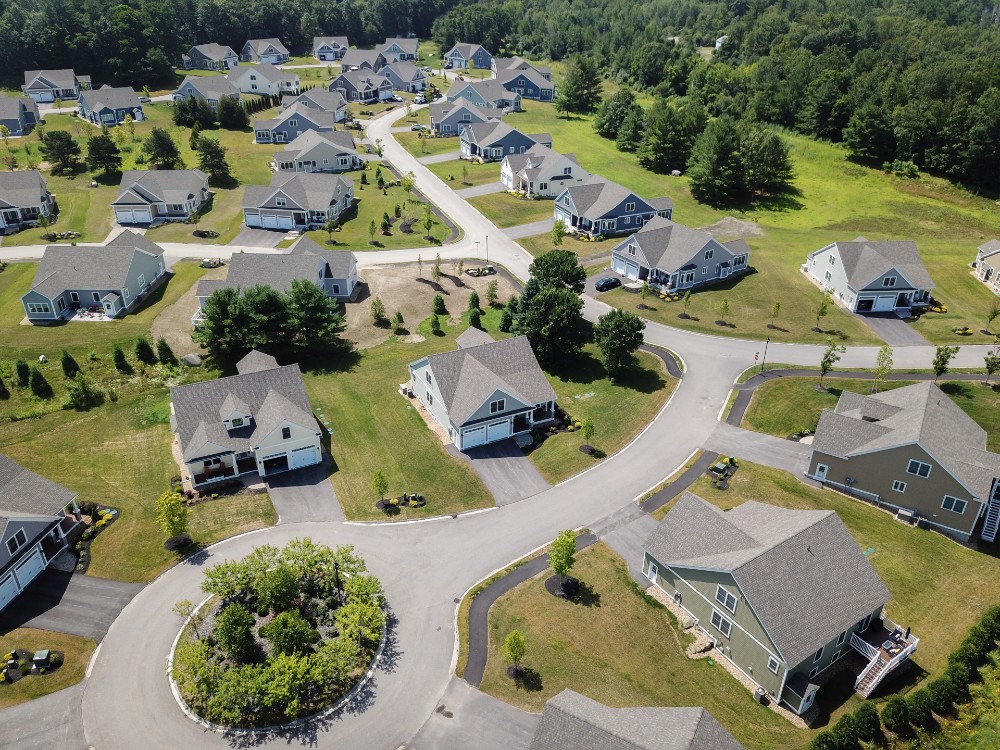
(914,450)
(784,594)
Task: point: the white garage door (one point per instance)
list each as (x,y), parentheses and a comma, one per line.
(304,457)
(270,222)
(133,216)
(498,431)
(632,271)
(618,265)
(8,590)
(28,569)
(252,220)
(885,304)
(285,222)
(472,438)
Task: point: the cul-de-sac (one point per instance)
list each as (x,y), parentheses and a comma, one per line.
(500,375)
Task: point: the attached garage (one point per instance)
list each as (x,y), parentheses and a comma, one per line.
(275,464)
(632,270)
(252,220)
(474,437)
(618,265)
(498,431)
(285,222)
(304,457)
(885,303)
(133,215)
(8,589)
(26,570)
(270,221)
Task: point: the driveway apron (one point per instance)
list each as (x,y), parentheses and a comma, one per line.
(305,495)
(507,473)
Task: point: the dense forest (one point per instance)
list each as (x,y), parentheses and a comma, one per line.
(136,42)
(897,80)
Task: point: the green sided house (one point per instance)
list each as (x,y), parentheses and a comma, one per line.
(784,594)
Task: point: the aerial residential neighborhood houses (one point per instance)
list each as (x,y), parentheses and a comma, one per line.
(109,106)
(491,141)
(265,79)
(145,196)
(210,57)
(315,151)
(24,198)
(405,76)
(524,79)
(362,86)
(293,122)
(602,207)
(210,89)
(486,94)
(540,171)
(330,48)
(449,117)
(325,101)
(19,114)
(463,56)
(52,85)
(270,51)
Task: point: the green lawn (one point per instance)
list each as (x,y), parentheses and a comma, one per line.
(939,588)
(946,222)
(426,146)
(504,210)
(542,243)
(371,204)
(119,454)
(619,411)
(76,651)
(622,651)
(785,405)
(376,429)
(475,174)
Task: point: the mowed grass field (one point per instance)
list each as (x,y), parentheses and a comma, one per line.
(419,146)
(836,199)
(462,174)
(504,210)
(76,654)
(786,405)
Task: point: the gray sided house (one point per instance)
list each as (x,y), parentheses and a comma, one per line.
(210,89)
(319,99)
(329,48)
(258,421)
(405,76)
(503,66)
(24,197)
(463,56)
(291,123)
(528,83)
(210,57)
(600,207)
(110,106)
(541,172)
(865,277)
(264,51)
(265,79)
(363,59)
(361,87)
(145,196)
(113,277)
(673,256)
(488,94)
(399,48)
(484,391)
(448,117)
(297,200)
(914,450)
(336,273)
(36,515)
(987,264)
(19,114)
(492,141)
(333,151)
(783,594)
(571,720)
(49,85)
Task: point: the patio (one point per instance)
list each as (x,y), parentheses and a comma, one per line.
(94,315)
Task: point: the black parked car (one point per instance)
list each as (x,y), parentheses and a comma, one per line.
(608,282)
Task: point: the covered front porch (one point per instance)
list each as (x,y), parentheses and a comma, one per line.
(220,467)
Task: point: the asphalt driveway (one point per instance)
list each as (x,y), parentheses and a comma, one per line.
(487,189)
(530,230)
(768,450)
(68,603)
(893,330)
(52,722)
(259,237)
(436,158)
(305,495)
(507,473)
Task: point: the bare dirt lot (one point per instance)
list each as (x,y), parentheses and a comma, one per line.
(399,289)
(174,323)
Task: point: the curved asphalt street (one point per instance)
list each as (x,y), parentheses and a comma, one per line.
(426,567)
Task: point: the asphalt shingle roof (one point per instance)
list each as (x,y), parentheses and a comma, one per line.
(64,78)
(160,186)
(466,50)
(919,413)
(442,108)
(214,51)
(22,189)
(271,393)
(991,247)
(597,196)
(473,336)
(340,262)
(264,70)
(405,44)
(485,134)
(362,79)
(490,89)
(11,107)
(571,721)
(211,87)
(358,57)
(317,98)
(668,245)
(341,140)
(800,570)
(318,117)
(467,377)
(864,261)
(405,70)
(122,97)
(259,45)
(23,492)
(247,270)
(331,40)
(309,191)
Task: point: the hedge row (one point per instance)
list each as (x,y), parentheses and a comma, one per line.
(940,696)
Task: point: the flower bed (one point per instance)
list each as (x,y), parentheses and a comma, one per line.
(20,663)
(288,633)
(101,517)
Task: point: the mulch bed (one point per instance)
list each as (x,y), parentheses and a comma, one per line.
(25,667)
(569,587)
(82,547)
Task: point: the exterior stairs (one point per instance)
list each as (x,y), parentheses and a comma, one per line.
(992,521)
(871,677)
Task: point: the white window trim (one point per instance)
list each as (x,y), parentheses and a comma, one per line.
(842,638)
(500,404)
(813,672)
(919,464)
(898,486)
(956,501)
(723,621)
(726,596)
(776,664)
(819,654)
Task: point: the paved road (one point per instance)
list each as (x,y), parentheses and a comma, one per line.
(52,722)
(767,450)
(508,474)
(305,495)
(259,237)
(68,603)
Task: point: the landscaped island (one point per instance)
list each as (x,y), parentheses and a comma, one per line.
(286,633)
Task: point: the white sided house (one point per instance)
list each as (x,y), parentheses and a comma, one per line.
(265,79)
(987,264)
(319,99)
(541,172)
(865,277)
(258,421)
(36,515)
(484,391)
(329,48)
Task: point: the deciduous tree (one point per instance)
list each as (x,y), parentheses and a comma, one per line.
(559,269)
(883,366)
(514,649)
(171,514)
(831,356)
(234,631)
(943,355)
(618,335)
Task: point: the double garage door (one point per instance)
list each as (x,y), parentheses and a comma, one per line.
(485,434)
(625,268)
(294,459)
(23,573)
(268,221)
(882,303)
(133,215)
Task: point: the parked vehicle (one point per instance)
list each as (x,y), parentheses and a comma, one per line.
(608,282)
(211,262)
(396,98)
(416,126)
(145,99)
(419,99)
(481,271)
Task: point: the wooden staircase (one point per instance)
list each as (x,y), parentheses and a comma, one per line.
(992,521)
(870,678)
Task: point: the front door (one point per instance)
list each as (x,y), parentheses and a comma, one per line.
(652,571)
(109,308)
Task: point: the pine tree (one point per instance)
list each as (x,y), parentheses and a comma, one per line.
(581,91)
(69,365)
(164,353)
(715,167)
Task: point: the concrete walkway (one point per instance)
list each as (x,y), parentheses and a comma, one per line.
(530,230)
(508,474)
(476,190)
(436,158)
(305,495)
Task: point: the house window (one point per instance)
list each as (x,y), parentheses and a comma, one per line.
(293,123)
(740,260)
(704,270)
(725,598)
(772,664)
(38,307)
(721,624)
(286,433)
(279,201)
(125,294)
(889,281)
(841,638)
(828,276)
(498,406)
(631,249)
(836,655)
(567,170)
(954,504)
(543,186)
(17,541)
(919,468)
(818,655)
(627,220)
(898,486)
(833,261)
(97,297)
(142,280)
(566,201)
(813,672)
(709,254)
(430,398)
(630,206)
(428,376)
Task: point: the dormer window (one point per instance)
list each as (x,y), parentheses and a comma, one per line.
(286,433)
(237,422)
(889,281)
(630,206)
